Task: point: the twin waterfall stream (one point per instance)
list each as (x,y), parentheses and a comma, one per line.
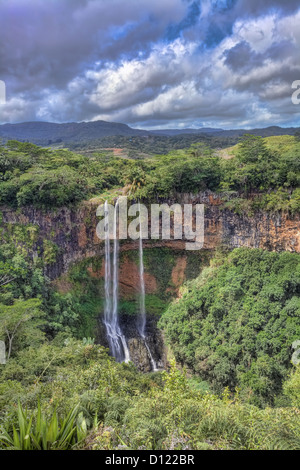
(116,339)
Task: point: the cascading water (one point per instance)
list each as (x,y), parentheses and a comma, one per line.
(116,339)
(142,319)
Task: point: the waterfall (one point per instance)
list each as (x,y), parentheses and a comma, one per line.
(116,339)
(142,319)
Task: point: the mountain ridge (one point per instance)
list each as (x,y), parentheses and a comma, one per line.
(47,133)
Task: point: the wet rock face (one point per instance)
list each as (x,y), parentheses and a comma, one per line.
(129,280)
(139,355)
(136,345)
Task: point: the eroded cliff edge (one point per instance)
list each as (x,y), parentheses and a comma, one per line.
(73,231)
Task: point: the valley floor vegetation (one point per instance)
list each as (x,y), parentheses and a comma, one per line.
(232,328)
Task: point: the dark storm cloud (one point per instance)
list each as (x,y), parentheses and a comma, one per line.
(47,43)
(172,62)
(241,58)
(258,7)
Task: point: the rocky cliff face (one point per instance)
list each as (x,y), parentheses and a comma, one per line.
(74,230)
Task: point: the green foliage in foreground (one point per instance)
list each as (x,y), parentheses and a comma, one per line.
(235,324)
(43,434)
(73,395)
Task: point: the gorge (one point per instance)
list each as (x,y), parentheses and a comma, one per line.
(119,266)
(154,344)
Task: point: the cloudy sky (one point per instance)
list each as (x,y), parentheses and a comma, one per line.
(151,63)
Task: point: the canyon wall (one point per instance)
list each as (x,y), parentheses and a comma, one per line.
(74,230)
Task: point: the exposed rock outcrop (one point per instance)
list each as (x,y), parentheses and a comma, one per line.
(74,230)
(138,352)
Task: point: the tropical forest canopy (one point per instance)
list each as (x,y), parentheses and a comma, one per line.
(268,169)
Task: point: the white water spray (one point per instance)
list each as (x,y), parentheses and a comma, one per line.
(142,319)
(116,339)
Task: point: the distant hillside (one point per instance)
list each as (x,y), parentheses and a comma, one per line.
(265,132)
(286,145)
(47,133)
(173,132)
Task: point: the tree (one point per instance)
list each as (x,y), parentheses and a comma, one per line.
(252,148)
(5,274)
(21,321)
(10,269)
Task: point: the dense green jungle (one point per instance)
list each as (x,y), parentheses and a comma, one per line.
(228,329)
